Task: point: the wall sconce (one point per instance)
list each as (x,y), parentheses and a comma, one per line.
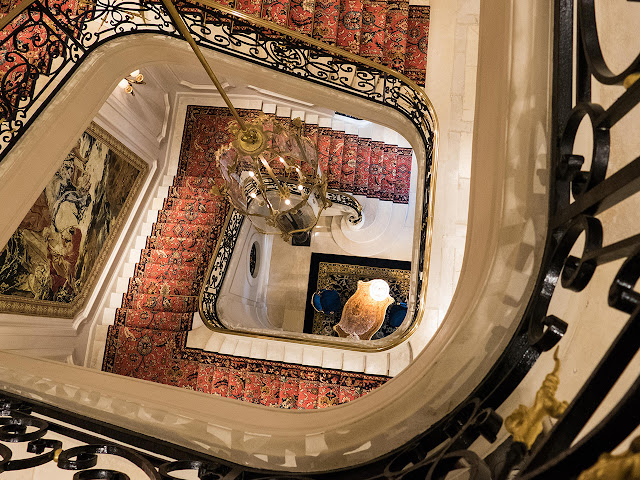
(127,82)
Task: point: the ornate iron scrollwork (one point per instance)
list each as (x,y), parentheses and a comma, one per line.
(69,36)
(577,197)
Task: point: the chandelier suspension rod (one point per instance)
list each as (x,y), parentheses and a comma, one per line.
(182,28)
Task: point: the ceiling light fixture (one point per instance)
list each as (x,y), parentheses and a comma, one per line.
(270,170)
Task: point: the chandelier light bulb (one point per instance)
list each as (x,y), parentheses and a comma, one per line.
(284,202)
(123,83)
(135,73)
(379,290)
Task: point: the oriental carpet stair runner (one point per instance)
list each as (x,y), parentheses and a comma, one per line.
(390,32)
(148,339)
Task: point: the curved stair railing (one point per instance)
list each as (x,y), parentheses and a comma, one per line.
(61,40)
(47,40)
(577,198)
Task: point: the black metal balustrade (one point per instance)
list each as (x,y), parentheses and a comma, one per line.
(576,199)
(61,40)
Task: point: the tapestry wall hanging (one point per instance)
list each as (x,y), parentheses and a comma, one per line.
(52,261)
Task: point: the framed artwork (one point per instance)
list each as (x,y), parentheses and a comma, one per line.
(52,261)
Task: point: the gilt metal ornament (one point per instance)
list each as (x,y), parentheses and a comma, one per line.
(525,423)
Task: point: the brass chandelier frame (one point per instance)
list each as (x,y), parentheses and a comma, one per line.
(292,181)
(252,141)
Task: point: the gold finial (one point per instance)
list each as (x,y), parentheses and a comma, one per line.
(525,423)
(616,467)
(630,80)
(56,455)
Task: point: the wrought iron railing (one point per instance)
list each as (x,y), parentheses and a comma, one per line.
(45,41)
(44,44)
(577,198)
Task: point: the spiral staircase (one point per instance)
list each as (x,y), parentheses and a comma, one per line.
(551,258)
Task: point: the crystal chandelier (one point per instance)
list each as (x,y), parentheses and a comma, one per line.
(270,170)
(272,176)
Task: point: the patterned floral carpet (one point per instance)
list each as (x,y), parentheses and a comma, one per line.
(148,340)
(341,273)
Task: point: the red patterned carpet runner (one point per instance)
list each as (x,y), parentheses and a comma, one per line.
(374,20)
(251,7)
(403,175)
(349,25)
(324,148)
(349,159)
(301,16)
(148,340)
(361,177)
(311,132)
(388,178)
(334,171)
(375,170)
(386,31)
(415,63)
(276,11)
(325,20)
(396,34)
